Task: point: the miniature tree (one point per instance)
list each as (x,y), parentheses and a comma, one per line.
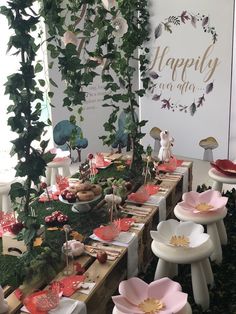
(70,134)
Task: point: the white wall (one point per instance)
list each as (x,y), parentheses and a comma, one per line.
(186,41)
(232,145)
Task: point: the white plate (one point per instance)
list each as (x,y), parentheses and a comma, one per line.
(78,202)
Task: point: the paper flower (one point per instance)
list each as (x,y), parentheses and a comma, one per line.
(207,201)
(108,4)
(120,26)
(162,296)
(70,38)
(180,234)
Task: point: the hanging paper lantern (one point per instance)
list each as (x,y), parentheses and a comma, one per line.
(120,26)
(108,4)
(70,38)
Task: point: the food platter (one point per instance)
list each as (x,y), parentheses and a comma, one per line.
(78,206)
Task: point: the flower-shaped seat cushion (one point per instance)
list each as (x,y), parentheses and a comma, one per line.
(208,201)
(161,296)
(180,234)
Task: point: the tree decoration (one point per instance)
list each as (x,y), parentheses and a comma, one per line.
(67,133)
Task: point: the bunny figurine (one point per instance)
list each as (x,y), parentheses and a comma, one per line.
(166,144)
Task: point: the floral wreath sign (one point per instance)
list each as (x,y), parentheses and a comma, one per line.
(168,26)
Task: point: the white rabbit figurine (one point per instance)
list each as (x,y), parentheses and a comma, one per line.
(3,303)
(166,143)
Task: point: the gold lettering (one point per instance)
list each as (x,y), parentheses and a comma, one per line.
(211,64)
(203,64)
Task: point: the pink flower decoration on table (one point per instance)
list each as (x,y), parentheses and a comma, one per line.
(107,233)
(62,183)
(207,201)
(162,296)
(169,166)
(100,162)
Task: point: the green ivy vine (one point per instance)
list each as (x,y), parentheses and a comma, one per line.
(24,110)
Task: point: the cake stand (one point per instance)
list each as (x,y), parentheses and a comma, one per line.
(80,207)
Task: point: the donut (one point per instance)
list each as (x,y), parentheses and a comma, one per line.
(72,188)
(97,189)
(83,187)
(85,196)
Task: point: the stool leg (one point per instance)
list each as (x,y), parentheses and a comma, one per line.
(6,205)
(217,186)
(53,176)
(173,270)
(48,175)
(222,232)
(66,171)
(206,266)
(217,253)
(199,285)
(162,269)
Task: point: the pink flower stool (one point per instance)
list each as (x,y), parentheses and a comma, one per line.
(207,208)
(163,296)
(176,243)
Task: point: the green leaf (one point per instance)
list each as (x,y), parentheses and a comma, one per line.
(17,190)
(52,82)
(38,68)
(50,94)
(41,82)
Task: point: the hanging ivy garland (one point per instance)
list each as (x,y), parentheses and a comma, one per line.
(101,38)
(167,26)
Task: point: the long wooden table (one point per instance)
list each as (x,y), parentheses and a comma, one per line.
(108,276)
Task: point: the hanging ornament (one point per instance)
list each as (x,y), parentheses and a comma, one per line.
(108,4)
(120,26)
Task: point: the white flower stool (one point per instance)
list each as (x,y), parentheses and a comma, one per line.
(215,227)
(219,179)
(184,243)
(54,168)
